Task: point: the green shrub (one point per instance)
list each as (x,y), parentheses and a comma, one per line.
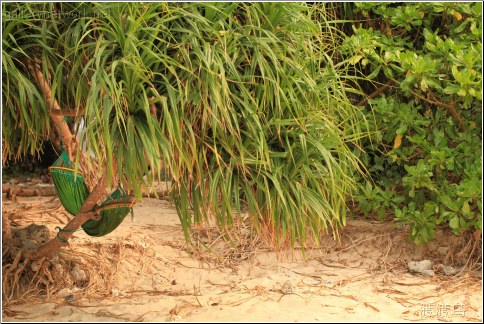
(425,152)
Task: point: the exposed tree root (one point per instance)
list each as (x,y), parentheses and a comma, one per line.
(467,250)
(17,266)
(92,272)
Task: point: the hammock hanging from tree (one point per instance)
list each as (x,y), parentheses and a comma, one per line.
(73,192)
(113,211)
(70,187)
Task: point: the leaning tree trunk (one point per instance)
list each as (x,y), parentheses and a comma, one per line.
(55,110)
(85,213)
(70,141)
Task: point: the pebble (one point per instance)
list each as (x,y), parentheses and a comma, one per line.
(423,267)
(429,273)
(70,297)
(448,270)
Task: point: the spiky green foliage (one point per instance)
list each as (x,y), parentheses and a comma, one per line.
(251,112)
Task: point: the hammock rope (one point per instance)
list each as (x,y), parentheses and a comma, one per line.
(60,238)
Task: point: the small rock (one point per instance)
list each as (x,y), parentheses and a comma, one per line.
(420,266)
(70,297)
(429,273)
(448,270)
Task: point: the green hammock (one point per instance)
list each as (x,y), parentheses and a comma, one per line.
(113,211)
(72,190)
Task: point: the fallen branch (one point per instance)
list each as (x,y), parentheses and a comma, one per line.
(24,191)
(49,191)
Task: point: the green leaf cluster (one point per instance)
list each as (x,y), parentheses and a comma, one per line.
(425,153)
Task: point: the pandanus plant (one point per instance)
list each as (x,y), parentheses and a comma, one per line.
(240,103)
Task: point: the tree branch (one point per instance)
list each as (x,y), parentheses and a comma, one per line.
(450,108)
(376,93)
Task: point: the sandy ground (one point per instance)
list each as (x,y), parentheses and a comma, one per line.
(150,274)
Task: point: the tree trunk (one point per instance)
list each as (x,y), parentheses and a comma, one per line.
(86,213)
(54,109)
(87,210)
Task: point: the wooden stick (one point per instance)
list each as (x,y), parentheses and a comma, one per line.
(28,191)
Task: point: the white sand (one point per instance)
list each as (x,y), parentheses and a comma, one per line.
(157,280)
